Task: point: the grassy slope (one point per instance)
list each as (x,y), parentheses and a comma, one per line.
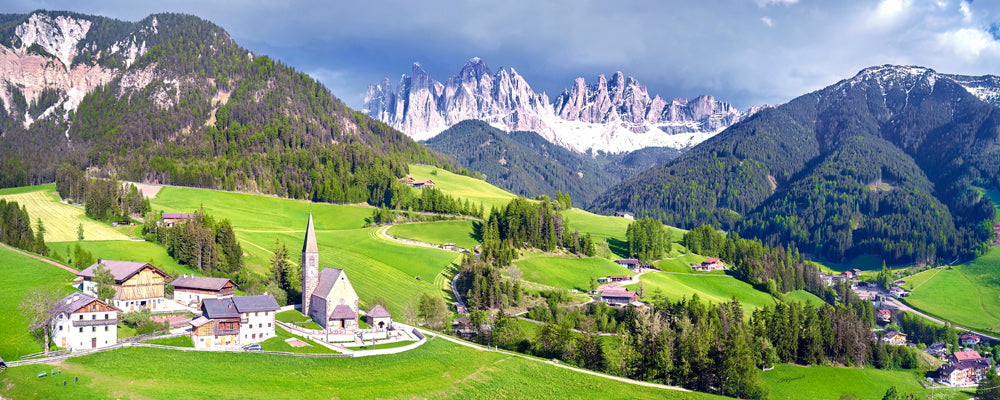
(61,220)
(793,382)
(568,272)
(179,341)
(278,343)
(459,232)
(477,191)
(711,288)
(438,369)
(968,294)
(377,267)
(801,296)
(18,275)
(128,251)
(612,230)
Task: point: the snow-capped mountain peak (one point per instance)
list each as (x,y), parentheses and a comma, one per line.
(615,115)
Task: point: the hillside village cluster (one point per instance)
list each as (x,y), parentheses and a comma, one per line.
(224,321)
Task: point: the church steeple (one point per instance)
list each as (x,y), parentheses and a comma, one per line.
(310,266)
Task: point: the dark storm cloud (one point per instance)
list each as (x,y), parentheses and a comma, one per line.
(744,51)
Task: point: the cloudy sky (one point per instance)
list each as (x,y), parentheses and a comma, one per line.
(743,51)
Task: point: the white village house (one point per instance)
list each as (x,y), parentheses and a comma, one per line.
(234,321)
(137,285)
(80,321)
(327,296)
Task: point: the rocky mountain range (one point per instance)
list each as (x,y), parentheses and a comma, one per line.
(612,116)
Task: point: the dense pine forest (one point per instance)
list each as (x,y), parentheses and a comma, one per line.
(212,115)
(879,164)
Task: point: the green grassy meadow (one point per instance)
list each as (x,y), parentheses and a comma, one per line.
(459,232)
(710,288)
(967,295)
(278,343)
(802,296)
(128,251)
(794,382)
(438,369)
(19,275)
(568,272)
(179,341)
(61,220)
(477,191)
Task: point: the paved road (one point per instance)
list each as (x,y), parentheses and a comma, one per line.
(42,259)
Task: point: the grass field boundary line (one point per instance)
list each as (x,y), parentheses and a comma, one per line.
(554,363)
(40,258)
(938,270)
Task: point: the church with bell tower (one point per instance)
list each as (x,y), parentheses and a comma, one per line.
(327,296)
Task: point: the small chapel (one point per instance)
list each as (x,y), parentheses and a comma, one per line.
(327,296)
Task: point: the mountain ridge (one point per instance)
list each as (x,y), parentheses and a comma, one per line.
(613,116)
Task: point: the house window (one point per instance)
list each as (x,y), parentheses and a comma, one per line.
(93,329)
(105,328)
(81,317)
(105,316)
(81,329)
(93,316)
(268,324)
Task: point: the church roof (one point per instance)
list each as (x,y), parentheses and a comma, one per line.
(378,312)
(343,311)
(310,243)
(327,277)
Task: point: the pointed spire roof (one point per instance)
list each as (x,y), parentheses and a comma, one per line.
(310,243)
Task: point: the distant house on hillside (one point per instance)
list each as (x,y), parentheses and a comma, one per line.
(884,315)
(406,180)
(194,289)
(897,291)
(630,263)
(964,373)
(970,339)
(618,296)
(711,264)
(937,349)
(964,356)
(137,285)
(170,219)
(424,184)
(625,214)
(827,279)
(80,321)
(893,337)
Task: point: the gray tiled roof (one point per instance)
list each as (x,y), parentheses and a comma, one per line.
(219,308)
(122,270)
(327,277)
(264,302)
(379,312)
(200,282)
(343,311)
(617,294)
(71,303)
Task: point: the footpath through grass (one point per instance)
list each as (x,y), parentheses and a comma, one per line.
(18,275)
(61,220)
(438,369)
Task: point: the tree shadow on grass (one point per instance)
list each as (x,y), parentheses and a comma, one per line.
(477,231)
(617,246)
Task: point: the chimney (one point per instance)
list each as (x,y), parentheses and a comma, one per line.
(185,275)
(99,261)
(265,293)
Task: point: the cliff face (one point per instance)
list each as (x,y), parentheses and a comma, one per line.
(613,116)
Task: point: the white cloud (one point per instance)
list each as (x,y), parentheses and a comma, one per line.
(765,3)
(966,10)
(767,21)
(969,43)
(890,9)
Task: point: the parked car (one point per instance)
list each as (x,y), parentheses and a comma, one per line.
(253,347)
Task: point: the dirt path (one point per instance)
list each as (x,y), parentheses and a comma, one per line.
(40,258)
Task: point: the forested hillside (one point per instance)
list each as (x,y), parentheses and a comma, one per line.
(196,109)
(527,164)
(883,163)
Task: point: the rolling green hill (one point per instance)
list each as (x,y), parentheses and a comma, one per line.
(568,272)
(459,232)
(475,190)
(710,288)
(794,382)
(438,369)
(61,220)
(21,274)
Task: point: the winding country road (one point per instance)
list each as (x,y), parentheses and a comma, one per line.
(40,258)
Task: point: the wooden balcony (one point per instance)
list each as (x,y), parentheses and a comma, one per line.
(94,322)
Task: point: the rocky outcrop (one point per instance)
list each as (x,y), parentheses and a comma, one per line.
(613,116)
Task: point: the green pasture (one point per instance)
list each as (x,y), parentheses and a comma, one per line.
(438,369)
(477,191)
(815,382)
(18,275)
(130,250)
(278,343)
(179,341)
(459,232)
(710,288)
(967,295)
(683,264)
(802,296)
(568,272)
(61,220)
